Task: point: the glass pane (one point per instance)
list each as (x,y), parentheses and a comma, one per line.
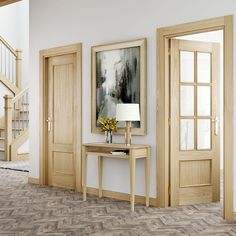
(186,66)
(203,134)
(186,100)
(186,134)
(203,67)
(204,100)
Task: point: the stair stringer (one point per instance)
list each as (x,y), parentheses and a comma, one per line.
(2,122)
(16,144)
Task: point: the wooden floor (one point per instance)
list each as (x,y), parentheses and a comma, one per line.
(27,209)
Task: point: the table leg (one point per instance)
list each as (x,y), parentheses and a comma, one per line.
(84,172)
(147,176)
(100,159)
(132,182)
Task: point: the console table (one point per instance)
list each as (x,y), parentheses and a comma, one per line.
(101,150)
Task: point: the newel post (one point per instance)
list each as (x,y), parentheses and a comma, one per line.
(8,125)
(18,68)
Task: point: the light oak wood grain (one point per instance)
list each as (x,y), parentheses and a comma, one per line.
(71,142)
(100,160)
(12,87)
(191,168)
(90,149)
(8,108)
(33,180)
(163,36)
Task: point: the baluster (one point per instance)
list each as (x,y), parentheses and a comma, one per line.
(2,64)
(5,61)
(27,107)
(14,69)
(1,56)
(18,68)
(8,62)
(19,117)
(14,120)
(23,109)
(2,47)
(12,75)
(8,125)
(10,67)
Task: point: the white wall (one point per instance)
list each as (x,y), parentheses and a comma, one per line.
(14,28)
(95,22)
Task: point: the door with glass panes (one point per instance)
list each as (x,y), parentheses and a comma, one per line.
(194,122)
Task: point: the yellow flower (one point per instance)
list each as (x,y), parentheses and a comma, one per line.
(108,124)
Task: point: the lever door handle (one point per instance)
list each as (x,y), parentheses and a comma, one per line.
(216,126)
(49,123)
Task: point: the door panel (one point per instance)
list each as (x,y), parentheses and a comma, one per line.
(195,173)
(61,126)
(63,104)
(194,154)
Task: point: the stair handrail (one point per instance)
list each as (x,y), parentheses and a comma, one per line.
(13,67)
(13,51)
(20,94)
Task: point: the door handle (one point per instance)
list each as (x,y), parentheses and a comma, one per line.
(216,126)
(49,123)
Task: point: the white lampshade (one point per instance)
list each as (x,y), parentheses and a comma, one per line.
(127,112)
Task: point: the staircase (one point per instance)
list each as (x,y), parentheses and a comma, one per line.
(15,121)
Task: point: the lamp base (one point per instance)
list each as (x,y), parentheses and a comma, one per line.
(128,133)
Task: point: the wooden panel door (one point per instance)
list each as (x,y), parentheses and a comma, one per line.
(194,116)
(62,118)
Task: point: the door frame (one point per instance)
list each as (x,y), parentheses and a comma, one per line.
(43,133)
(224,23)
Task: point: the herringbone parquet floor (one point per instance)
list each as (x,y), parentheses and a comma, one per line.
(27,209)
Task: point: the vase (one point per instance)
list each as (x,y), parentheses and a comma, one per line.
(108,136)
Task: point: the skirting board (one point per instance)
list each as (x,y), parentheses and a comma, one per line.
(109,194)
(32,180)
(234,216)
(23,156)
(121,196)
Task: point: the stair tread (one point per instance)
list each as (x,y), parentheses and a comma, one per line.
(20,120)
(2,138)
(2,150)
(3,129)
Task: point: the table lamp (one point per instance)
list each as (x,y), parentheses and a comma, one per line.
(127,112)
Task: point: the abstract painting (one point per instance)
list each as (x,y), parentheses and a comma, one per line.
(118,76)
